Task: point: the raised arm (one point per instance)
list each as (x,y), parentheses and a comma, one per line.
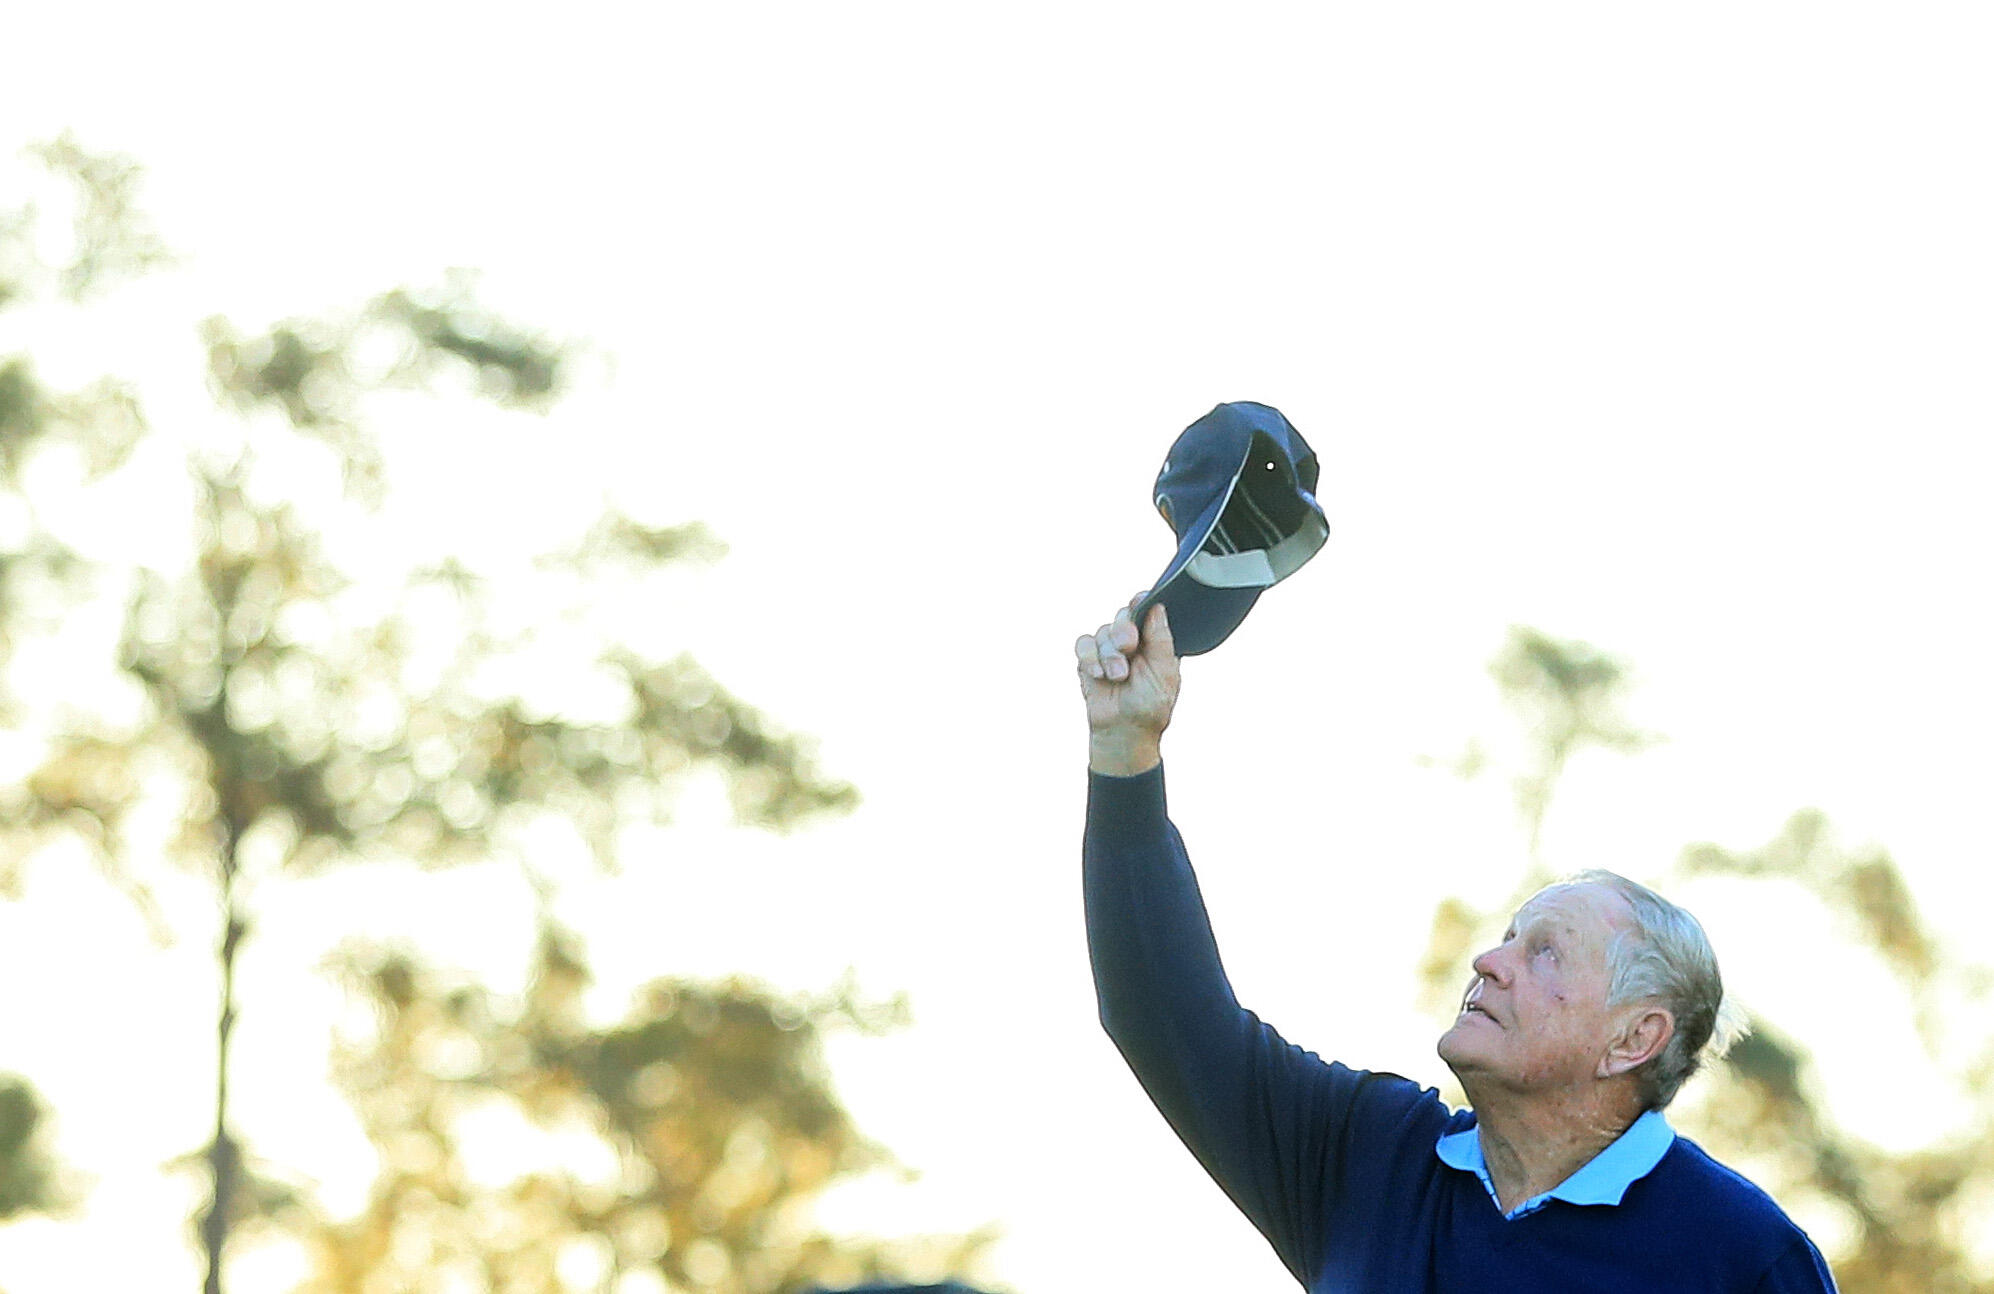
(1255,1111)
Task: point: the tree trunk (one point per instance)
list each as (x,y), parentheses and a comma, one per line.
(224,1155)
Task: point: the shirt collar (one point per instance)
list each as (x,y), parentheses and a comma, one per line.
(1603,1179)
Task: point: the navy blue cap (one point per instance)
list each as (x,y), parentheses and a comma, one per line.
(1238,487)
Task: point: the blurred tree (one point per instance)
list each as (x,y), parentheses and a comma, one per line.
(1916,1219)
(1567,697)
(682,1139)
(30,1179)
(297,717)
(1909,1218)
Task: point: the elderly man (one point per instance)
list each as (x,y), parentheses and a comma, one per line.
(1575,1032)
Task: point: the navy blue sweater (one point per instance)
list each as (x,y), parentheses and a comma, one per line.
(1336,1166)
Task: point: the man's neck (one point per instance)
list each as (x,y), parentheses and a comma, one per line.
(1531,1145)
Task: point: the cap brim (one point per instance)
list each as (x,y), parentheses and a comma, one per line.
(1201,616)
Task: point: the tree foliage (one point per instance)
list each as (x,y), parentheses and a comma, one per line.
(291,716)
(1912,1215)
(1567,695)
(710,1100)
(30,1179)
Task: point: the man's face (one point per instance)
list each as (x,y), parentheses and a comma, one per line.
(1535,1016)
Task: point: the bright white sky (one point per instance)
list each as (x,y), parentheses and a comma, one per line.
(1666,329)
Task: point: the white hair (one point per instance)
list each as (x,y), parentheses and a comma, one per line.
(1666,958)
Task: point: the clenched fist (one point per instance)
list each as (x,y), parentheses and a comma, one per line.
(1130,682)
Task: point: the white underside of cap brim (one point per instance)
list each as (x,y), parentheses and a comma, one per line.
(1260,568)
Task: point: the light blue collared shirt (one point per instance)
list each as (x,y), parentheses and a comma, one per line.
(1603,1179)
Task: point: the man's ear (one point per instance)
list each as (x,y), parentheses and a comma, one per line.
(1641,1039)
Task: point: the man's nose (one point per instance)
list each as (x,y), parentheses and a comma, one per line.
(1489,967)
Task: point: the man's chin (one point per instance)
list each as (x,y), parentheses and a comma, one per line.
(1450,1045)
(1457,1048)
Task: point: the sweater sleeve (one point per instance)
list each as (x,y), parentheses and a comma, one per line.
(1266,1119)
(1800,1270)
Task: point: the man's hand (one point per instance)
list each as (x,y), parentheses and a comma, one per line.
(1130,682)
